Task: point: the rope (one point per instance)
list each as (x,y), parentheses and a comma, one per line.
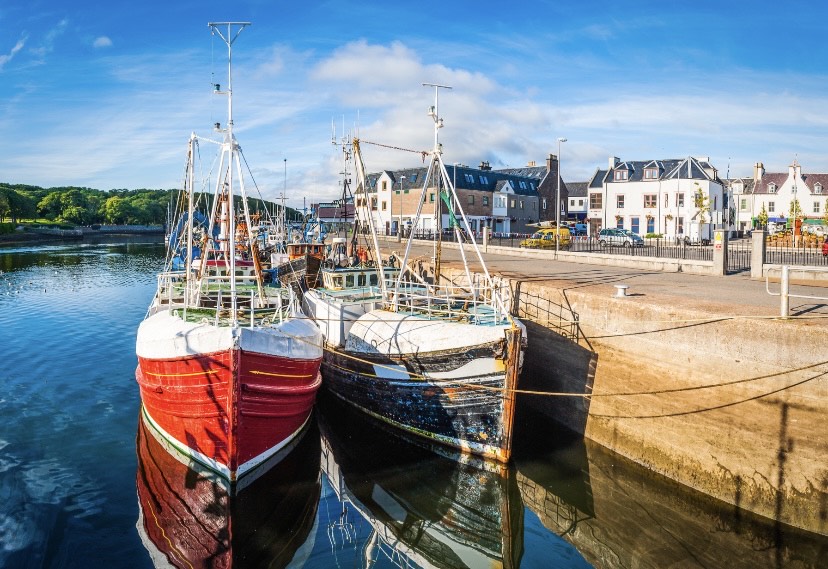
(422,153)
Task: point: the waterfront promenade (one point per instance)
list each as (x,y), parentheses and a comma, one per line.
(731,295)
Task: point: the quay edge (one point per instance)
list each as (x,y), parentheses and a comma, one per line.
(732,407)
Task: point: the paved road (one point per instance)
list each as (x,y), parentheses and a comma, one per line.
(731,295)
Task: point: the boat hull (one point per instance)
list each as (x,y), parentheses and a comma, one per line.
(218,401)
(461,398)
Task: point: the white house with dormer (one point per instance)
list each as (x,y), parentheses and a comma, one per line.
(777,193)
(661,197)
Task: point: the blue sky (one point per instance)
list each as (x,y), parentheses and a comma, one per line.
(105,94)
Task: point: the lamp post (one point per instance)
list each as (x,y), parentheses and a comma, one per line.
(558,201)
(399,226)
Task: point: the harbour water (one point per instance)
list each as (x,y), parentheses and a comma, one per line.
(84,484)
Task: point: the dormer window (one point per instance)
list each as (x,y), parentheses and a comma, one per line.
(817,188)
(620,175)
(771,188)
(651,173)
(413,178)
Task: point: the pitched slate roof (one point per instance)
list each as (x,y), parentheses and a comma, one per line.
(597,180)
(414,178)
(577,189)
(776,178)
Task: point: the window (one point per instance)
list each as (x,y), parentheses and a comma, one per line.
(513,202)
(383,205)
(571,203)
(483,179)
(816,207)
(580,203)
(680,200)
(651,173)
(650,225)
(634,226)
(666,200)
(469,178)
(361,279)
(543,204)
(595,201)
(743,204)
(471,200)
(619,201)
(522,185)
(817,188)
(680,225)
(771,207)
(532,185)
(650,200)
(619,175)
(374,204)
(412,178)
(771,188)
(619,222)
(521,204)
(431,197)
(485,200)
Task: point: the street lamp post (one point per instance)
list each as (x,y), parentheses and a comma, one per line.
(558,201)
(399,226)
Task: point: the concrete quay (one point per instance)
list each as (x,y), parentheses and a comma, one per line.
(694,377)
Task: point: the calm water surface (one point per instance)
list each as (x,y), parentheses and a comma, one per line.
(84,484)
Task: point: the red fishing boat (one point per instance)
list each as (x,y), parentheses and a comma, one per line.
(228,366)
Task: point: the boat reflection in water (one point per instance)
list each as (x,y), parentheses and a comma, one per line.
(426,507)
(193,518)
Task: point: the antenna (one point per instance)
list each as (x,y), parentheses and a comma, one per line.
(434,113)
(228,38)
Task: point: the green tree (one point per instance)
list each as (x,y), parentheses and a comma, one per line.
(794,210)
(702,204)
(762,218)
(117,210)
(825,214)
(5,207)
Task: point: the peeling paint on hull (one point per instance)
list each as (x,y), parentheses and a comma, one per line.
(460,398)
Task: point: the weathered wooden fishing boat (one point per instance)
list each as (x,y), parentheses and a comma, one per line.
(228,366)
(189,517)
(438,360)
(425,505)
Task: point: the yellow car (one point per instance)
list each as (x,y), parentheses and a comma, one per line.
(545,239)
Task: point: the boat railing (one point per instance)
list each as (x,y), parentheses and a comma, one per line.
(208,301)
(475,304)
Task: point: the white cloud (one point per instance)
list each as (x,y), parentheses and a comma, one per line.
(102,41)
(4,59)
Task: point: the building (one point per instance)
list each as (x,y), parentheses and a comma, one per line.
(782,196)
(505,201)
(656,196)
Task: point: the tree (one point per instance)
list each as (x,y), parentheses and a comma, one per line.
(5,207)
(825,215)
(762,218)
(702,204)
(795,211)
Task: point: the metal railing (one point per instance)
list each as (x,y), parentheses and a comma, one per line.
(784,293)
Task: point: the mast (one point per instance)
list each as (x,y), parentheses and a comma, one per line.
(230,149)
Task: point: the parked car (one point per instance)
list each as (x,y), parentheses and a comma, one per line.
(619,237)
(578,229)
(545,239)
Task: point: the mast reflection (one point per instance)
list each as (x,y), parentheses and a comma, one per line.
(426,507)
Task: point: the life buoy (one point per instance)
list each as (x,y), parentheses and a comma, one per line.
(362,253)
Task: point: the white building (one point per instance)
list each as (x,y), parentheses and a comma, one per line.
(657,196)
(775,193)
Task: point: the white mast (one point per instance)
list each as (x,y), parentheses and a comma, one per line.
(229,148)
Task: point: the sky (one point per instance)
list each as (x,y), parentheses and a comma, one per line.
(105,94)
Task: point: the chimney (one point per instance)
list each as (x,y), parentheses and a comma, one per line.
(613,162)
(758,171)
(485,166)
(531,164)
(552,159)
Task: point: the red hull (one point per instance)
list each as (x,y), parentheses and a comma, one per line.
(230,409)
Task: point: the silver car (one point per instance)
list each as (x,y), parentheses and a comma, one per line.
(611,236)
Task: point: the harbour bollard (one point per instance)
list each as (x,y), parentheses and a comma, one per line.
(621,290)
(784,291)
